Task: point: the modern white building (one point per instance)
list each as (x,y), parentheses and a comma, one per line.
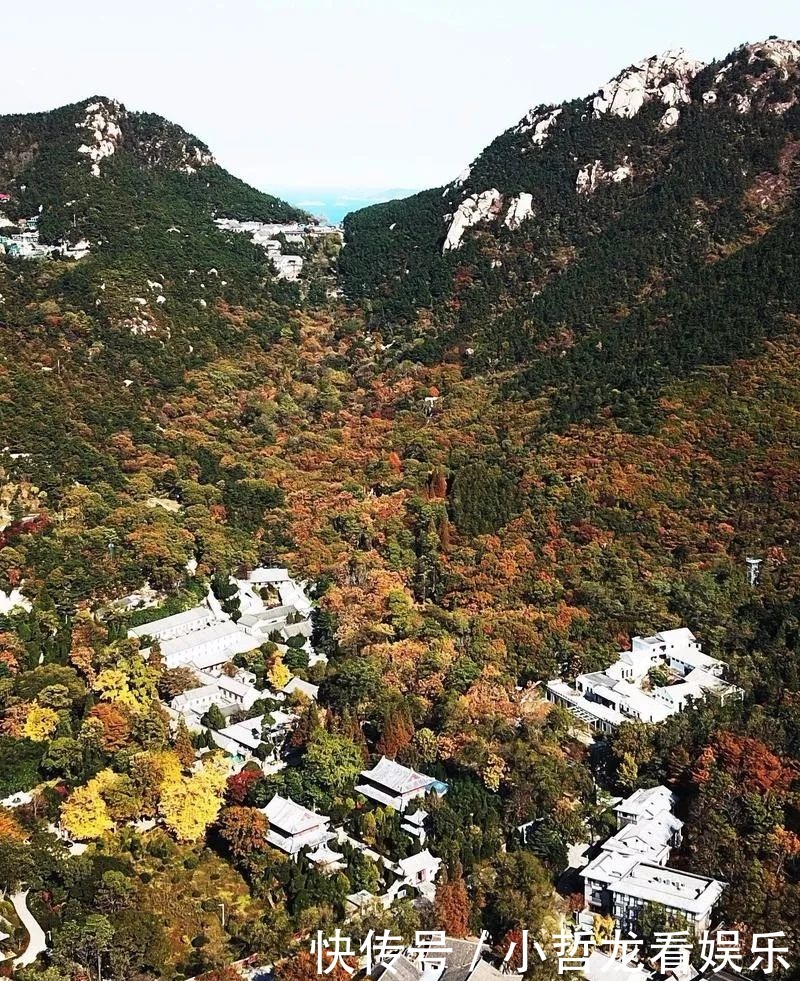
(293,827)
(393,785)
(631,869)
(624,692)
(643,805)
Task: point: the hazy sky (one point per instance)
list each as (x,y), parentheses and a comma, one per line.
(352,93)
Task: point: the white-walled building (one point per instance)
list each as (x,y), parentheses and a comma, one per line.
(206,639)
(420,872)
(293,827)
(393,785)
(643,805)
(208,648)
(241,739)
(631,869)
(623,692)
(228,694)
(177,625)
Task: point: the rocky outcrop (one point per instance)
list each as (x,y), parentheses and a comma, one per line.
(767,63)
(103,132)
(661,78)
(592,175)
(669,119)
(519,210)
(780,52)
(538,123)
(472,210)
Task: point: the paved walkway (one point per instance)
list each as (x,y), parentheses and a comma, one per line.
(37,942)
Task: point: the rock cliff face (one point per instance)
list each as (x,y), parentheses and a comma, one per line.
(472,210)
(103,132)
(621,136)
(661,78)
(519,210)
(591,176)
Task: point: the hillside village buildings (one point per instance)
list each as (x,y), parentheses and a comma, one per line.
(21,240)
(624,691)
(205,639)
(265,234)
(631,869)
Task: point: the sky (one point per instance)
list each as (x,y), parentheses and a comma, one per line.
(355,94)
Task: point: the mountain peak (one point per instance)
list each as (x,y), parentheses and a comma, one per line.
(102,130)
(106,126)
(780,51)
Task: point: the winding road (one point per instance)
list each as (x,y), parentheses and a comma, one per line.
(37,942)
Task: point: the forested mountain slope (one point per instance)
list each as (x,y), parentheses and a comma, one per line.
(161,288)
(607,243)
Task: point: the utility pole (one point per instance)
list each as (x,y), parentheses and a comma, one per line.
(99,966)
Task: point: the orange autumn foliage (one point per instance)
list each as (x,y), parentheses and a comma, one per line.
(116,726)
(751,764)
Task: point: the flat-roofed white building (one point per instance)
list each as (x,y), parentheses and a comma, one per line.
(623,885)
(394,785)
(653,839)
(268,577)
(293,827)
(622,692)
(599,717)
(631,869)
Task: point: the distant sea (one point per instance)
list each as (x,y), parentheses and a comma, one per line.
(332,204)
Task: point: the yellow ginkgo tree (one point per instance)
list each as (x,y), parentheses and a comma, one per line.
(84,815)
(192,802)
(40,723)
